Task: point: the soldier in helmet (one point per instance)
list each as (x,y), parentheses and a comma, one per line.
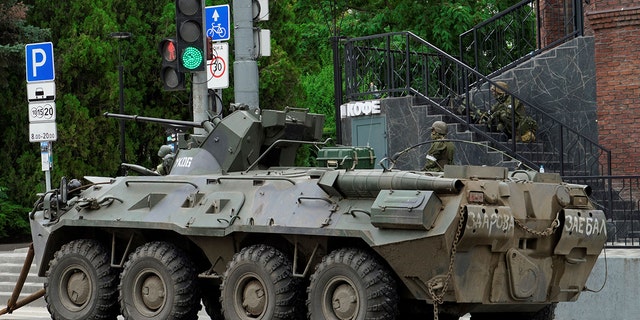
(501,112)
(166,154)
(441,152)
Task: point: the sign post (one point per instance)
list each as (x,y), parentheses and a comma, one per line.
(41,95)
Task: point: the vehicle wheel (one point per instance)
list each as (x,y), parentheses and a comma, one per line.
(546,313)
(159,281)
(80,282)
(352,284)
(258,284)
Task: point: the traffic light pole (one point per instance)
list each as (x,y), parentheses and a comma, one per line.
(245,65)
(200,94)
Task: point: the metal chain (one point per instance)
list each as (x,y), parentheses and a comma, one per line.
(437,298)
(431,286)
(546,232)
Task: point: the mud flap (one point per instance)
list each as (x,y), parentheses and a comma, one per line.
(582,229)
(488,225)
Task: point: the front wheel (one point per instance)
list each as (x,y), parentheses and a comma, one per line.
(352,284)
(159,281)
(80,282)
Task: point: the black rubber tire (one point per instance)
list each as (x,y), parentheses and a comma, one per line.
(546,313)
(80,282)
(356,277)
(157,268)
(264,270)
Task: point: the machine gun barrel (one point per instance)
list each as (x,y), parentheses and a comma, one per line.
(368,184)
(154,120)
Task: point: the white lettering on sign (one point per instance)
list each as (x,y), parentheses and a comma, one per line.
(360,108)
(184,162)
(490,222)
(38,63)
(585,225)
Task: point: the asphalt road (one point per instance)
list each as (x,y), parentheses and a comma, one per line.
(41,313)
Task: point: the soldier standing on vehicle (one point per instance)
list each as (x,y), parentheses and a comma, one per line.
(441,152)
(506,105)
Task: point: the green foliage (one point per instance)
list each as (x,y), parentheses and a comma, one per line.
(14,224)
(320,97)
(299,73)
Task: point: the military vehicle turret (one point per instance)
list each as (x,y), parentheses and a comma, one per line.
(236,225)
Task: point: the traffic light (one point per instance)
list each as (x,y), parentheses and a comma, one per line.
(172,78)
(190,22)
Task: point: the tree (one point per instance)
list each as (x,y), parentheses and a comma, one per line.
(299,72)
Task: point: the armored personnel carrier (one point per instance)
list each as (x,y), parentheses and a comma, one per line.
(236,226)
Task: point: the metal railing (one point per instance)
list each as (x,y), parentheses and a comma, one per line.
(519,33)
(401,64)
(619,197)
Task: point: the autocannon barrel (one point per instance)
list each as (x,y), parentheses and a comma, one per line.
(155,120)
(368,184)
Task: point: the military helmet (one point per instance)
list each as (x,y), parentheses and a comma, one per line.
(439,127)
(499,87)
(164,150)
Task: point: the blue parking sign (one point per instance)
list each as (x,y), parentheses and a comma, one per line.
(39,58)
(218,22)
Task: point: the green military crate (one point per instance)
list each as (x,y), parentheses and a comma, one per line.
(347,157)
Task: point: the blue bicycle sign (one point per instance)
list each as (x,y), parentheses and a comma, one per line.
(217,17)
(217,31)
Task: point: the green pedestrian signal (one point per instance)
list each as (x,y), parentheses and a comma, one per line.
(192,58)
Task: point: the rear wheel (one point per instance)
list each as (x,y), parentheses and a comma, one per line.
(258,284)
(159,281)
(352,284)
(80,282)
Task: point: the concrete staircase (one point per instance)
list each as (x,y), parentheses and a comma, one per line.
(11,263)
(470,148)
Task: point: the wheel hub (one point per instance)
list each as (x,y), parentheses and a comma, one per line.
(345,302)
(253,298)
(153,292)
(78,288)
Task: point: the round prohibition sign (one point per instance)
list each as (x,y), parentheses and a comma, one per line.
(43,111)
(218,67)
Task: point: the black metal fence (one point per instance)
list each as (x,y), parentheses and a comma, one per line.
(401,64)
(619,197)
(520,32)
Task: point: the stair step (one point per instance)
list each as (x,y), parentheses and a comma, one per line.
(8,286)
(10,268)
(5,296)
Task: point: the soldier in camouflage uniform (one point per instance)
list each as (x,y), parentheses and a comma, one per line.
(166,154)
(501,112)
(441,152)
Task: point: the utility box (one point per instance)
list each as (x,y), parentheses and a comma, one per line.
(347,157)
(405,209)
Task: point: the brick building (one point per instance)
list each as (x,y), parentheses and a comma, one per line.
(615,26)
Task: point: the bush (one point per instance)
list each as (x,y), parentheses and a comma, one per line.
(14,224)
